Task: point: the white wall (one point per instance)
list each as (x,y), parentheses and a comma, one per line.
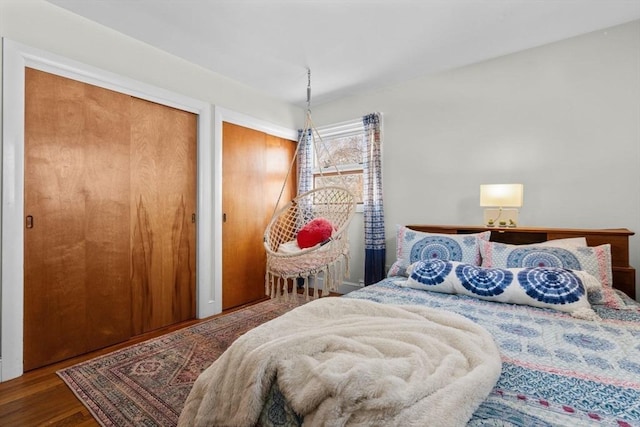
(563,119)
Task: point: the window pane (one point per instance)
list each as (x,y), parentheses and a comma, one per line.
(340,151)
(352,181)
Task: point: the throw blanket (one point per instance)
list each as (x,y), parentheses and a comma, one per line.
(341,361)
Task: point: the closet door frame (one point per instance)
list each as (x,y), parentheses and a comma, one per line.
(16,57)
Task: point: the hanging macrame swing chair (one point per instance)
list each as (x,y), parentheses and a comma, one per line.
(330,207)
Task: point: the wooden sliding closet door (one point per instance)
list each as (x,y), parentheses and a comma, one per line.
(254,169)
(163,206)
(110,191)
(76,258)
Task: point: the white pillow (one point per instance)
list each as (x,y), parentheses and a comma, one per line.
(289,247)
(292,247)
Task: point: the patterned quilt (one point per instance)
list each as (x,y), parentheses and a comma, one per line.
(556,370)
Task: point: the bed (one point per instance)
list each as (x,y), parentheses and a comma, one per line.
(557,368)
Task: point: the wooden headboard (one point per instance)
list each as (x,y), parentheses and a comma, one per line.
(624,276)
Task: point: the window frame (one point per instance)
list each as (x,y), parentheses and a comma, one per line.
(327,133)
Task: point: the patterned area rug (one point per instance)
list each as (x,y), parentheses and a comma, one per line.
(148,383)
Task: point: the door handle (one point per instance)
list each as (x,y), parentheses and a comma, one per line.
(29,221)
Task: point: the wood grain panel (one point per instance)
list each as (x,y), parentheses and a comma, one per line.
(106,196)
(163,200)
(76,255)
(254,168)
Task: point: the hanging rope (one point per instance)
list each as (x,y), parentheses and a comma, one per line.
(309,128)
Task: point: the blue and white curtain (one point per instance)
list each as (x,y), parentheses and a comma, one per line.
(305,161)
(374,235)
(305,174)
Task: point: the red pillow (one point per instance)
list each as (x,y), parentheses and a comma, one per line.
(316,231)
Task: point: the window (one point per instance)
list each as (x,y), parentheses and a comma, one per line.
(338,160)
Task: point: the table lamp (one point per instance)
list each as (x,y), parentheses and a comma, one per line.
(496,197)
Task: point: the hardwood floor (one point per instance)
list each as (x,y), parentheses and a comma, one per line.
(41,398)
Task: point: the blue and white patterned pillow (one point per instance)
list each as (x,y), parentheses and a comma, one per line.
(415,246)
(595,260)
(545,287)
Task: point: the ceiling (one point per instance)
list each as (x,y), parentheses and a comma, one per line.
(350,46)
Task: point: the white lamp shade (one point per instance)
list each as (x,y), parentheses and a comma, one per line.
(501,195)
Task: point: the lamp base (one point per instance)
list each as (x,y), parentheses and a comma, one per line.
(502,218)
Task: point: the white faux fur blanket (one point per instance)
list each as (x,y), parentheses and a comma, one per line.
(343,361)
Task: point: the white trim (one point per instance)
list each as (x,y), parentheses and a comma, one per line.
(250,122)
(346,127)
(15,58)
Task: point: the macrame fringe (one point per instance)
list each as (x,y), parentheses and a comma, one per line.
(332,274)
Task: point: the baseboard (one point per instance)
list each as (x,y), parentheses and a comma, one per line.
(347,287)
(343,288)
